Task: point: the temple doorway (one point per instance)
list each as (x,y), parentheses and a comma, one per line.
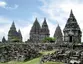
(70,38)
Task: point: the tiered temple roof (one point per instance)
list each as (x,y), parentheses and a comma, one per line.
(58,35)
(45,29)
(72,32)
(35,31)
(71,23)
(13,35)
(4,40)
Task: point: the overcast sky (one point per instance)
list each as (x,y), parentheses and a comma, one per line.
(24,12)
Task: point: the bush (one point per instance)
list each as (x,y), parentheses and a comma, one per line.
(49,39)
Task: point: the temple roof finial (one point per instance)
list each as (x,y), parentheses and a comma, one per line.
(13,24)
(36,19)
(71,13)
(44,19)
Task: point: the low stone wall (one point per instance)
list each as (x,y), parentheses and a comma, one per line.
(38,46)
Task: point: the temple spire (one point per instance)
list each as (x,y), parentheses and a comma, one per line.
(58,32)
(58,35)
(20,35)
(35,30)
(3,40)
(44,23)
(71,14)
(45,29)
(13,26)
(44,20)
(36,19)
(36,26)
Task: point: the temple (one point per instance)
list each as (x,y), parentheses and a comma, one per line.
(72,32)
(35,32)
(58,35)
(44,30)
(4,40)
(13,35)
(38,33)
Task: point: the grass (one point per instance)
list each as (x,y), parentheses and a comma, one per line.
(47,52)
(34,61)
(53,63)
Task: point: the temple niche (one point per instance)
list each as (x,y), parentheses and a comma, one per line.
(13,35)
(72,32)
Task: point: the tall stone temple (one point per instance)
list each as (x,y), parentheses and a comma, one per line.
(72,32)
(13,35)
(44,30)
(35,31)
(38,33)
(58,35)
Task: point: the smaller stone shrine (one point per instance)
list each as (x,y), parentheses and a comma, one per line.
(72,32)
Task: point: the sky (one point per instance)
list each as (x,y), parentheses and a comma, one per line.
(24,12)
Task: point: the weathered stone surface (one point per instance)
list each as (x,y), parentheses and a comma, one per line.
(65,55)
(44,30)
(20,35)
(35,31)
(4,40)
(38,33)
(17,52)
(58,36)
(72,32)
(13,35)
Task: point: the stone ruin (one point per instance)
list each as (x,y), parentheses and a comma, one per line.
(66,54)
(23,51)
(70,51)
(17,52)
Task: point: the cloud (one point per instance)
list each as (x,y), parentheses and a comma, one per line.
(4,26)
(12,8)
(5,5)
(58,11)
(26,31)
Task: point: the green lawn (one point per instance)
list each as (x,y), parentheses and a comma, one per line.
(34,61)
(53,63)
(47,52)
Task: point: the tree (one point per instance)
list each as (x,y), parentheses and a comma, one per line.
(49,40)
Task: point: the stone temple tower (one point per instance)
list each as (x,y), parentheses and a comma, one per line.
(35,32)
(44,30)
(13,35)
(58,35)
(19,35)
(72,32)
